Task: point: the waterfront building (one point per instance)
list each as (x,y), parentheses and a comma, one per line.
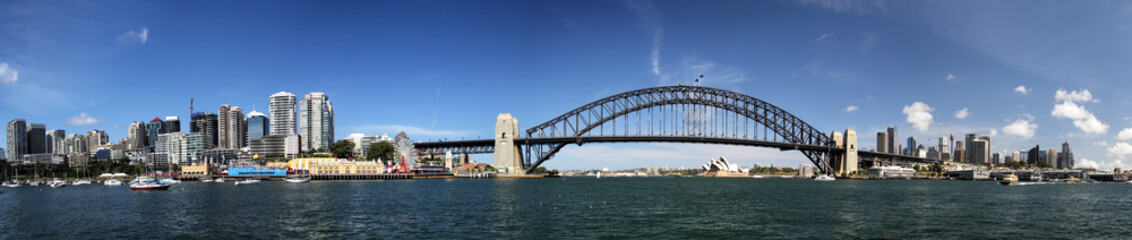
(49,159)
(172,124)
(95,139)
(232,127)
(276,146)
(152,130)
(194,147)
(340,167)
(882,142)
(893,141)
(17,140)
(172,146)
(77,159)
(36,137)
(205,124)
(1065,158)
(258,125)
(357,139)
(281,107)
(921,152)
(911,147)
(136,136)
(316,121)
(220,156)
(54,141)
(808,170)
(959,155)
(196,170)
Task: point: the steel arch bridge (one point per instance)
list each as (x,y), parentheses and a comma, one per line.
(682,114)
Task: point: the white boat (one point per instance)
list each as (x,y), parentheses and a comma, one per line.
(206,180)
(169,181)
(298,180)
(823,178)
(113,182)
(12,184)
(33,183)
(57,183)
(147,183)
(598,174)
(219,180)
(81,182)
(247,182)
(758,176)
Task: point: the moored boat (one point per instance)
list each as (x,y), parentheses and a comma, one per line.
(824,178)
(298,180)
(112,182)
(147,183)
(57,183)
(12,184)
(247,182)
(81,182)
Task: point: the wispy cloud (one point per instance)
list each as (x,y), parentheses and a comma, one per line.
(962,114)
(820,71)
(951,77)
(919,115)
(8,74)
(714,74)
(83,119)
(141,36)
(1022,89)
(851,108)
(412,131)
(651,17)
(824,36)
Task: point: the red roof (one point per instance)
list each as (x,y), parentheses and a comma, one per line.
(156,119)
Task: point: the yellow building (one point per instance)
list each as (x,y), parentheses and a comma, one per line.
(304,163)
(196,170)
(344,167)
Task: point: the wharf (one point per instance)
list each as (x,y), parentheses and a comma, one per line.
(379,176)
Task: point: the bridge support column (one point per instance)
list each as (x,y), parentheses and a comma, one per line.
(844,163)
(506,152)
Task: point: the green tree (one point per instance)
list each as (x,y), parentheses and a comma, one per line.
(380,150)
(342,149)
(541,170)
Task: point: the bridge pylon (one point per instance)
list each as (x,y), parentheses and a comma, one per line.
(845,162)
(507,158)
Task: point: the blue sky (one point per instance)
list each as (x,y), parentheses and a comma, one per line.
(439,69)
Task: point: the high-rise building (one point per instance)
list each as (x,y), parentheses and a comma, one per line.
(152,130)
(37,138)
(911,146)
(284,116)
(959,155)
(75,143)
(970,140)
(1051,158)
(978,151)
(194,147)
(95,139)
(54,141)
(882,142)
(205,124)
(172,125)
(316,121)
(17,140)
(172,146)
(258,125)
(943,144)
(893,141)
(222,126)
(1065,158)
(234,128)
(1034,155)
(995,159)
(137,135)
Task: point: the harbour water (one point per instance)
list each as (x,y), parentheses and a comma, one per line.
(587,208)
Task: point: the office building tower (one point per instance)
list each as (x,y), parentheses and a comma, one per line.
(1065,158)
(37,138)
(893,141)
(911,146)
(137,136)
(17,140)
(284,116)
(75,143)
(222,126)
(171,145)
(95,139)
(1034,155)
(205,124)
(234,128)
(152,130)
(172,125)
(195,146)
(258,125)
(882,142)
(316,121)
(995,159)
(54,141)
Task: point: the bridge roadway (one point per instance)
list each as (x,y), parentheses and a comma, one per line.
(481,146)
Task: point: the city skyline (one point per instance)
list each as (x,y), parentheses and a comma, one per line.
(930,69)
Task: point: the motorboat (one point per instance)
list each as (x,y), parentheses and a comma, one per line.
(33,183)
(298,180)
(11,184)
(81,182)
(219,180)
(206,180)
(113,182)
(56,183)
(247,182)
(824,178)
(1008,179)
(147,183)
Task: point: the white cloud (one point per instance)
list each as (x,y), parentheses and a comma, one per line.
(993,132)
(413,132)
(952,77)
(140,36)
(83,119)
(851,108)
(1021,127)
(1022,89)
(1082,118)
(919,115)
(1120,150)
(962,114)
(824,36)
(1125,134)
(7,74)
(1101,165)
(1102,143)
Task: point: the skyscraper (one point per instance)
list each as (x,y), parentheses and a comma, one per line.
(137,136)
(893,141)
(258,125)
(911,146)
(1065,158)
(17,140)
(55,139)
(172,125)
(283,114)
(96,138)
(152,130)
(978,152)
(882,142)
(944,149)
(970,140)
(236,128)
(75,143)
(316,121)
(222,126)
(37,142)
(205,124)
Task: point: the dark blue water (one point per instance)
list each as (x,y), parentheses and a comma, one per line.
(587,208)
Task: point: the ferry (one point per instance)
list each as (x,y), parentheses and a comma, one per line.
(888,172)
(1008,179)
